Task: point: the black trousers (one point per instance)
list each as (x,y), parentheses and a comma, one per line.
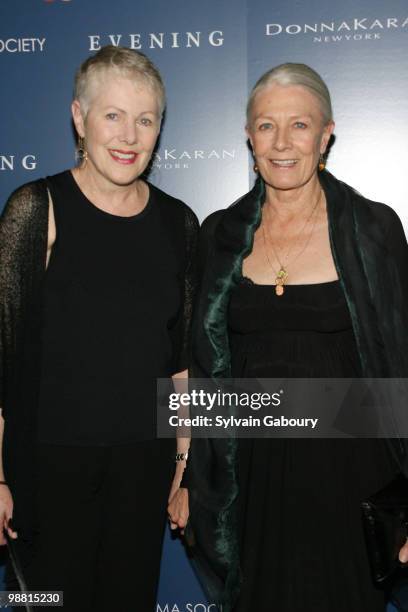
(102,512)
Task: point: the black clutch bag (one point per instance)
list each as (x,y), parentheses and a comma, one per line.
(385,519)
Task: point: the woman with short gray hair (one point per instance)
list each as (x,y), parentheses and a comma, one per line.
(96,284)
(294,74)
(302,278)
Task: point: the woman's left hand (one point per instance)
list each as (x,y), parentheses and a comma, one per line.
(403,553)
(178,509)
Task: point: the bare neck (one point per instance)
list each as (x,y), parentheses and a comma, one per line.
(286,205)
(116,199)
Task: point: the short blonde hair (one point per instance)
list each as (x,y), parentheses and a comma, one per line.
(295,74)
(124,62)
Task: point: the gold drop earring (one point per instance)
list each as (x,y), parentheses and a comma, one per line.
(322,163)
(81,153)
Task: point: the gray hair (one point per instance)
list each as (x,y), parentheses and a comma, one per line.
(295,74)
(125,62)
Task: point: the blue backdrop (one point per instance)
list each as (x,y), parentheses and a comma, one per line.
(210,55)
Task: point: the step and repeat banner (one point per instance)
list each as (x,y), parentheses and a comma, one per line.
(210,55)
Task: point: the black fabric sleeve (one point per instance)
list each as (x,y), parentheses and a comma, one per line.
(182,330)
(190,289)
(206,237)
(23,242)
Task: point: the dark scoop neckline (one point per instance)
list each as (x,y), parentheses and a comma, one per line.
(245,280)
(106,214)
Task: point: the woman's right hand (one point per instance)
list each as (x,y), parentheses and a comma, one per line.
(178,509)
(6,512)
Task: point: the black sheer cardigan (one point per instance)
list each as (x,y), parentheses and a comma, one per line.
(23,253)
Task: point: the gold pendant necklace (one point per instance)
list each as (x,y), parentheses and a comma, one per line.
(282,275)
(280,281)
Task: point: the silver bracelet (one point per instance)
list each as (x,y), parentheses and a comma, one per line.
(181,456)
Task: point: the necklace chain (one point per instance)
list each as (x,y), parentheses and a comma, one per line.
(282,275)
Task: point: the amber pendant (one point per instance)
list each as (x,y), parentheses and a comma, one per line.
(280,282)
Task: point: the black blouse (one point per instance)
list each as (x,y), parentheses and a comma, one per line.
(23,252)
(113,295)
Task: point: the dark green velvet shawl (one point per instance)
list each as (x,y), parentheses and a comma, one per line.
(371,256)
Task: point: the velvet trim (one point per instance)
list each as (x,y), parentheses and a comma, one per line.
(234,238)
(213,509)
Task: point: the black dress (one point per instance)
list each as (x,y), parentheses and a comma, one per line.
(301,537)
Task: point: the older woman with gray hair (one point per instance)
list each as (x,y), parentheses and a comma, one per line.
(97,281)
(302,277)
